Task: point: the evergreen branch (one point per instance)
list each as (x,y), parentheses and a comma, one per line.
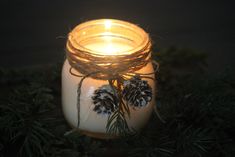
(117,124)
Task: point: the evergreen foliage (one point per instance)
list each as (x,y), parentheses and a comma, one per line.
(198,111)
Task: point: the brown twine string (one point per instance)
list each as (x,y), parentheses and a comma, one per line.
(106,67)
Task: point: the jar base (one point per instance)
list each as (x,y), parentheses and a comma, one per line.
(97,135)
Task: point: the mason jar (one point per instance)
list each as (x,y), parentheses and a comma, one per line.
(108,63)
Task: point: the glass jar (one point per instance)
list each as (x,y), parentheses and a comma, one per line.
(113,40)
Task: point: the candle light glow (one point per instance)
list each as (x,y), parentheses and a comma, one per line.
(100,54)
(106,46)
(108,37)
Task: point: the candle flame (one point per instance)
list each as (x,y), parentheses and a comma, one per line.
(107,24)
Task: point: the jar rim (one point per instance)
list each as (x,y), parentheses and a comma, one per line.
(143,43)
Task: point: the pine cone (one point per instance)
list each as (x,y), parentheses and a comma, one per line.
(137,92)
(105,100)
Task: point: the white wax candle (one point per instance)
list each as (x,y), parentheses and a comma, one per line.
(90,120)
(102,37)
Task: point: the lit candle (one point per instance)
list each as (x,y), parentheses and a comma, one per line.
(107,44)
(107,40)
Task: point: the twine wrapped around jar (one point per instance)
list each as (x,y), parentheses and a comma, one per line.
(106,67)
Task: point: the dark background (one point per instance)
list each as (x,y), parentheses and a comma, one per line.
(196,108)
(33,33)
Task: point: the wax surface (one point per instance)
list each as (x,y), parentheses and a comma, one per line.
(106,46)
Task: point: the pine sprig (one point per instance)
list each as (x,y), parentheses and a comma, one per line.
(117,124)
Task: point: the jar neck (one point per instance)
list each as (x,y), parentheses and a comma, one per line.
(88,61)
(107,67)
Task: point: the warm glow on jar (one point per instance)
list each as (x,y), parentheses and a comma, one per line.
(108,37)
(103,57)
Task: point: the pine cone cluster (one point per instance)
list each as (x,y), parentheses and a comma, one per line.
(137,92)
(105,100)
